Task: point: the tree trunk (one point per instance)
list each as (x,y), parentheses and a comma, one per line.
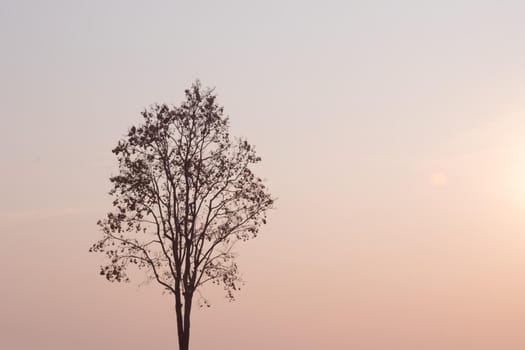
(184,345)
(179,314)
(187,312)
(183,312)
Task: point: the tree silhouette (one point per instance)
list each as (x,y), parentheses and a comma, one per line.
(184,195)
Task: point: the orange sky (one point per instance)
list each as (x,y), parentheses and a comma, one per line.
(392,135)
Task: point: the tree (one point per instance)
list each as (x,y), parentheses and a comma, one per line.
(184,195)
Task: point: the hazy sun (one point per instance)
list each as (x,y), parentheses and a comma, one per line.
(438,179)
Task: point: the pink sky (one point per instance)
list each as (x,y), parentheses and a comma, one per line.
(393,137)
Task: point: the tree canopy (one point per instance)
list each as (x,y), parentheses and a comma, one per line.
(184,195)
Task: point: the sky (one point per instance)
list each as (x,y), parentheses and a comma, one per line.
(392,134)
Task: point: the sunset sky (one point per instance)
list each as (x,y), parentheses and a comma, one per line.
(392,133)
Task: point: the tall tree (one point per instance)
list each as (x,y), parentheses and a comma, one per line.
(184,195)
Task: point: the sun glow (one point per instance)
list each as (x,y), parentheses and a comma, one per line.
(438,179)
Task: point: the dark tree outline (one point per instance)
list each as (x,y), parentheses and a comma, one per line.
(184,195)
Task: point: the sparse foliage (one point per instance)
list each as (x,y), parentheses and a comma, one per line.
(184,195)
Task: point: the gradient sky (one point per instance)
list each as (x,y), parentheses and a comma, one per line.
(393,134)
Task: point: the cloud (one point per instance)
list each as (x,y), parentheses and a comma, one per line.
(41,213)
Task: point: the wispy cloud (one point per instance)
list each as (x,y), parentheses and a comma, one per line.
(42,213)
